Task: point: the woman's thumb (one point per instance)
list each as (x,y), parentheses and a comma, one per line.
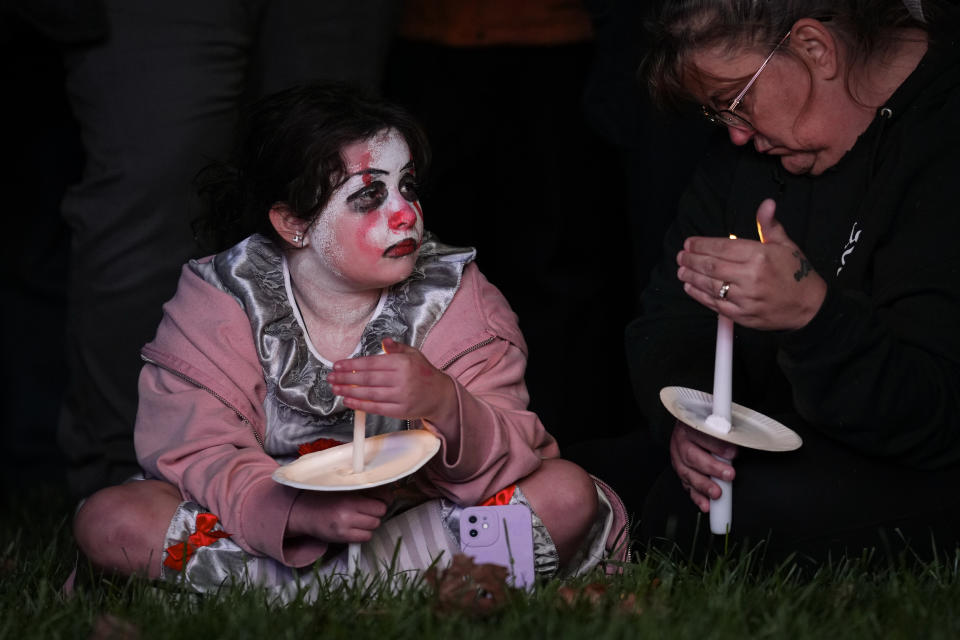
(769,228)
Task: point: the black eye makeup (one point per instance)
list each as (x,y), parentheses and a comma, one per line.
(409,187)
(374,194)
(369,197)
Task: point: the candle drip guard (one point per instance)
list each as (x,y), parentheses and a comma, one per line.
(749,429)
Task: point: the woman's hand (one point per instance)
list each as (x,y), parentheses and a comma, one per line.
(771,284)
(692,456)
(335,516)
(400,383)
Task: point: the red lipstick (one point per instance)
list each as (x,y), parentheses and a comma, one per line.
(402,248)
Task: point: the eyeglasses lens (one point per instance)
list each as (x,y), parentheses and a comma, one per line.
(727,118)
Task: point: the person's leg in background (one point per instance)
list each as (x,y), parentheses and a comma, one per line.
(43,157)
(155,101)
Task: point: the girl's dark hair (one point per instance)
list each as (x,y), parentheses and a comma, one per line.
(290,152)
(866,28)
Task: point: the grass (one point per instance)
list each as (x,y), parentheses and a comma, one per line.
(658,596)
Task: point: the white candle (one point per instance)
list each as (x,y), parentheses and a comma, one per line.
(353,558)
(359,438)
(723,370)
(359,443)
(721,509)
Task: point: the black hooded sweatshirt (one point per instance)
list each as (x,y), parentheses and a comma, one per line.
(878,367)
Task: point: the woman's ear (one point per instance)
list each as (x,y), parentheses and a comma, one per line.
(288,226)
(814,43)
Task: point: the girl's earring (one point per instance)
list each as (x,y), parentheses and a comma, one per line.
(298,238)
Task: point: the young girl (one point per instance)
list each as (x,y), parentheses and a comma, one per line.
(269,347)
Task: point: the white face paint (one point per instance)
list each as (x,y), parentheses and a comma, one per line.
(369,233)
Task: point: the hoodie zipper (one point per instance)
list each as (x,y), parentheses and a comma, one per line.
(216,395)
(446,365)
(482,343)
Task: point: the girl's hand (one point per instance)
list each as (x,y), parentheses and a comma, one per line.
(771,284)
(335,517)
(400,383)
(691,454)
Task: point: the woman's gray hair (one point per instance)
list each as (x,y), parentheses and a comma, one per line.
(864,27)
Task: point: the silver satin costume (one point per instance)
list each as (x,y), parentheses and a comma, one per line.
(300,408)
(300,405)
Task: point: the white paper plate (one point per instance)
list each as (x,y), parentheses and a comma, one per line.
(750,428)
(387,457)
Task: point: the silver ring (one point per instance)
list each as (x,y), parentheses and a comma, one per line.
(724,290)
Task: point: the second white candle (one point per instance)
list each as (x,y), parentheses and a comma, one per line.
(721,509)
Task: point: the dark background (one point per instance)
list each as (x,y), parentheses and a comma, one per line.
(548,159)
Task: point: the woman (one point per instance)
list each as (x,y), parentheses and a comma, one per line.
(268,348)
(841,185)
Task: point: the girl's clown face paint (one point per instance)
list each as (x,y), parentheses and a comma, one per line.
(369,233)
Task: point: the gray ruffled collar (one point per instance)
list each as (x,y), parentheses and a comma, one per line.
(300,405)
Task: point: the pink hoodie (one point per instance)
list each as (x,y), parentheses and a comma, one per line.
(201,421)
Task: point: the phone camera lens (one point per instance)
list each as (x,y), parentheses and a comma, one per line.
(473,533)
(472,519)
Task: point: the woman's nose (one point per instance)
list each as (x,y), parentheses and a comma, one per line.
(403,218)
(740,137)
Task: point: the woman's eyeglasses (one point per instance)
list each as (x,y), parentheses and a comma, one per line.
(728,117)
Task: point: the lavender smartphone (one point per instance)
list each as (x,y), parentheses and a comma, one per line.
(502,535)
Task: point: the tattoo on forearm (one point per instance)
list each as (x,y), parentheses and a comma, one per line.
(805,266)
